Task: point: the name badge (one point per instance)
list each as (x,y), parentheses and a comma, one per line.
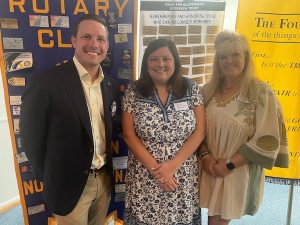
(179,106)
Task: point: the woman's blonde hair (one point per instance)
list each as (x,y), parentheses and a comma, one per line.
(224,42)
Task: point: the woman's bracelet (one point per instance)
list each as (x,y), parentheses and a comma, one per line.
(201,160)
(203,155)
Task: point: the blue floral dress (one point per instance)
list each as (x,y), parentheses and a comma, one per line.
(163,130)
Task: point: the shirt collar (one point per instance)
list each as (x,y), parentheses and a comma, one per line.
(83,74)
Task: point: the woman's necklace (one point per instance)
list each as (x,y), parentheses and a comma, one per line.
(226,95)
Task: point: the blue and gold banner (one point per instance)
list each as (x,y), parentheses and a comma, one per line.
(36,35)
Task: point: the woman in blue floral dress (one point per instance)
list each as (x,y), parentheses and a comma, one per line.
(163,124)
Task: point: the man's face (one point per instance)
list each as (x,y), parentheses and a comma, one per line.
(91,44)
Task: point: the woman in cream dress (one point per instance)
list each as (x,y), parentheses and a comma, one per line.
(245,134)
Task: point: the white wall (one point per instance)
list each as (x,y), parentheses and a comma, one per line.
(9,192)
(230,15)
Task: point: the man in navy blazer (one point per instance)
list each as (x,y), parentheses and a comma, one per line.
(66,126)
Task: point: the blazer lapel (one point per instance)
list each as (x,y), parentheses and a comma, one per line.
(106,89)
(72,83)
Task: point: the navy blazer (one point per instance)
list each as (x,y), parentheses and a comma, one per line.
(56,133)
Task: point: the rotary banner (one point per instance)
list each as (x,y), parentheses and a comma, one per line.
(36,35)
(273,32)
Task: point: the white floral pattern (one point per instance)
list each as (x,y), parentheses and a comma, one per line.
(163,130)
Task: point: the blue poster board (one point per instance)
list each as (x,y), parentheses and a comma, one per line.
(36,35)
